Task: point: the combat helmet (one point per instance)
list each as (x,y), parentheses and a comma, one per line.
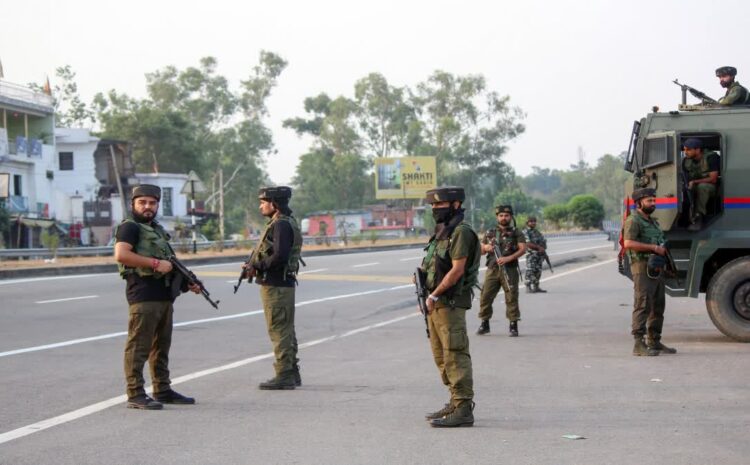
(445,194)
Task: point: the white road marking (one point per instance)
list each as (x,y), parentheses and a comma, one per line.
(67,299)
(410,258)
(313,271)
(365,264)
(99,406)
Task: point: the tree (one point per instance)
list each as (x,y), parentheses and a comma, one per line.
(586,211)
(608,178)
(4,223)
(70,111)
(555,214)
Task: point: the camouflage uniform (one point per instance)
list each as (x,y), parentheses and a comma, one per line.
(736,95)
(534,259)
(508,240)
(699,169)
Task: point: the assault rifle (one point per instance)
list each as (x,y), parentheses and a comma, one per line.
(546,259)
(420,281)
(671,263)
(503,270)
(244,271)
(695,93)
(191,278)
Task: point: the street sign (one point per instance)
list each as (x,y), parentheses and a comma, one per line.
(193,185)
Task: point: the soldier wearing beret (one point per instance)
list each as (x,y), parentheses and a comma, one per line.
(451,266)
(537,245)
(643,238)
(703,176)
(502,270)
(275,263)
(141,252)
(736,94)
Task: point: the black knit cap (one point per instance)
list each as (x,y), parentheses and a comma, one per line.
(146,190)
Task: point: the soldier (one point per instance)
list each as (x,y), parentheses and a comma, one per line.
(502,272)
(141,251)
(703,175)
(537,246)
(642,239)
(275,264)
(452,267)
(736,94)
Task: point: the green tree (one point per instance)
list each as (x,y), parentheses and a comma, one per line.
(70,110)
(4,224)
(608,178)
(556,214)
(586,211)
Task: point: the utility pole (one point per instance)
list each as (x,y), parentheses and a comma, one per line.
(221,204)
(192,186)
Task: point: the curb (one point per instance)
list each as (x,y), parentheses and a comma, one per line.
(112,268)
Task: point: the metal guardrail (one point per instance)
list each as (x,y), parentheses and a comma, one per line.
(187,245)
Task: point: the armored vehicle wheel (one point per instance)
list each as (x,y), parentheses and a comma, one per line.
(728,299)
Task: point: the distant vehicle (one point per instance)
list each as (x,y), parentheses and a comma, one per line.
(716,259)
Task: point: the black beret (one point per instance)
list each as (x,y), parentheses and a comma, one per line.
(693,143)
(275,193)
(726,70)
(146,190)
(639,194)
(445,194)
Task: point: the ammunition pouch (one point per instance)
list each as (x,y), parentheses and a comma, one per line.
(656,266)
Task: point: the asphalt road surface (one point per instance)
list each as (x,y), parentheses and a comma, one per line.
(368,375)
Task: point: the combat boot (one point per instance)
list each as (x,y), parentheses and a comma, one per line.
(538,289)
(484,328)
(297,376)
(283,381)
(173,397)
(144,402)
(448,408)
(661,348)
(513,330)
(462,415)
(641,349)
(528,289)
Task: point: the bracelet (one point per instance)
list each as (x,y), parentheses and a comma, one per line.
(154,263)
(433,298)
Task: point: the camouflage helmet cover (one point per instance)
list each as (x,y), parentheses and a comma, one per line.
(146,190)
(504,209)
(275,193)
(531,218)
(726,70)
(445,194)
(639,194)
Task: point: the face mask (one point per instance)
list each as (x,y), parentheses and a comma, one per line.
(649,210)
(441,215)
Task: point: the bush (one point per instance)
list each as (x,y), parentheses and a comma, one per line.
(357,238)
(373,236)
(586,211)
(556,214)
(50,240)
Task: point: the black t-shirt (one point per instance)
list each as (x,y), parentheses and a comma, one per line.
(141,289)
(272,267)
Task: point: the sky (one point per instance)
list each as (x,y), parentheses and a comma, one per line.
(582,71)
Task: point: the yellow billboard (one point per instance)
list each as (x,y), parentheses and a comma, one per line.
(405,177)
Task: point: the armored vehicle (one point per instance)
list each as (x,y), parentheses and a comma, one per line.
(714,259)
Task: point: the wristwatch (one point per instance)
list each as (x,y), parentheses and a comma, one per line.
(433,298)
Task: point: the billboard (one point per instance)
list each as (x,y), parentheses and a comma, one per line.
(404,178)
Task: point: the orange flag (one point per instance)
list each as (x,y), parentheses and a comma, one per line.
(47,88)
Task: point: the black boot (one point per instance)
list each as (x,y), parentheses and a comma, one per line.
(513,329)
(283,381)
(144,402)
(661,348)
(172,397)
(297,376)
(538,289)
(484,328)
(462,415)
(528,289)
(641,349)
(447,408)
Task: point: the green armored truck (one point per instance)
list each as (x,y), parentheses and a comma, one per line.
(711,254)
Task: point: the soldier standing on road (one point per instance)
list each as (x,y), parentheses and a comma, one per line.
(643,238)
(703,175)
(452,266)
(275,264)
(736,94)
(141,251)
(537,246)
(502,272)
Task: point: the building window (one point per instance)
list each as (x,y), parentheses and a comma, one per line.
(66,161)
(17,187)
(166,201)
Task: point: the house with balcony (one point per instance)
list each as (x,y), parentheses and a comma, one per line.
(27,154)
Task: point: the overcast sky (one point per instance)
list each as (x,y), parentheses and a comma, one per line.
(581,70)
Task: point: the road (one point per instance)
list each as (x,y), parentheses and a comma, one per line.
(368,376)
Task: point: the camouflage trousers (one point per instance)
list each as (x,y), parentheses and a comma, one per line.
(149,338)
(450,349)
(702,194)
(533,268)
(493,283)
(648,303)
(278,307)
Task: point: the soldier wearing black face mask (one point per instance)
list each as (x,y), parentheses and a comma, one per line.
(642,238)
(451,267)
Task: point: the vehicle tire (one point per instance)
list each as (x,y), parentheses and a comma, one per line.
(728,299)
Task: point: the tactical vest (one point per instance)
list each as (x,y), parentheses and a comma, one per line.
(650,233)
(699,169)
(438,262)
(153,241)
(535,237)
(265,246)
(505,240)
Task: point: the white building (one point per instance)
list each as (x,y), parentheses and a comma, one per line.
(74,174)
(174,204)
